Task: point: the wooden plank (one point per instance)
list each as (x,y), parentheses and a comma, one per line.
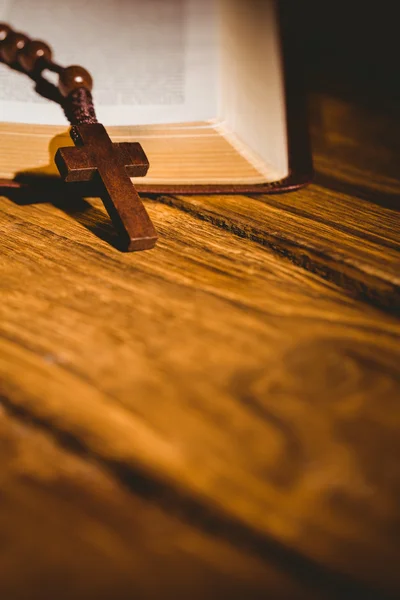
(69,529)
(328,233)
(226,381)
(358,146)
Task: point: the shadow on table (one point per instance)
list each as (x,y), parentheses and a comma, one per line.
(30,188)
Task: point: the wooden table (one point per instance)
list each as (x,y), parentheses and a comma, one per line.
(219,417)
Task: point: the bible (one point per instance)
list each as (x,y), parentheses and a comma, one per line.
(209,88)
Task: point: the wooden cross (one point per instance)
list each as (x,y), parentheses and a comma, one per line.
(96,156)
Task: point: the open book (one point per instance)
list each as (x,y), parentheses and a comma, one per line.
(201,84)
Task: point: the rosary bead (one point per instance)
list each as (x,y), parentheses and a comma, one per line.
(72,78)
(33,52)
(4,31)
(13,43)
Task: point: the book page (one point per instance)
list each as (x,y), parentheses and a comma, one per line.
(152,61)
(252,99)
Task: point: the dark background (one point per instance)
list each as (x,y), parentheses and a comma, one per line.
(350,49)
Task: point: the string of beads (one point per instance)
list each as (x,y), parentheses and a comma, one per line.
(33,56)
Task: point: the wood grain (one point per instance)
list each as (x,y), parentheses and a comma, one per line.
(80,534)
(224,376)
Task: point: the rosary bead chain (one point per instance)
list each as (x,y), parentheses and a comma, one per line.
(34,55)
(11,45)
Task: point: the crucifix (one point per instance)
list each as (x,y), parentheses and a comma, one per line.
(95,158)
(112,164)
